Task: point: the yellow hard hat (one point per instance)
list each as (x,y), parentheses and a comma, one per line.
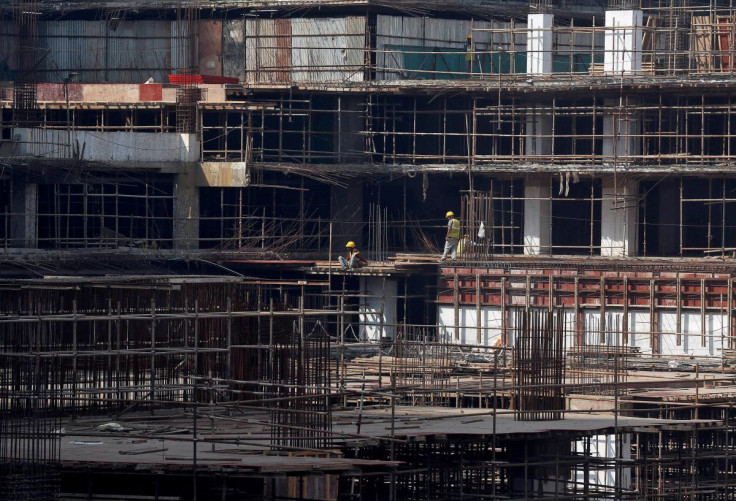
(450,214)
(350,244)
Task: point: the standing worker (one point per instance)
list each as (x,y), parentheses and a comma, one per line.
(353,259)
(452,237)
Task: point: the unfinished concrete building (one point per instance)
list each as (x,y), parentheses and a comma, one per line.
(178,178)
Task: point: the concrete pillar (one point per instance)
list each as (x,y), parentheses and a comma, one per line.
(24,218)
(619,217)
(378,297)
(621,132)
(538,138)
(539,44)
(623,42)
(349,124)
(346,209)
(186,213)
(539,62)
(537,216)
(668,219)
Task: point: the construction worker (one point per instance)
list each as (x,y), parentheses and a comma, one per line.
(452,237)
(353,259)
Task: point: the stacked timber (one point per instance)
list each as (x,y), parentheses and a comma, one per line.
(729,360)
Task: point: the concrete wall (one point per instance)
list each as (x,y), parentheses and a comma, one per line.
(490,323)
(119,93)
(605,446)
(716,328)
(143,147)
(370,321)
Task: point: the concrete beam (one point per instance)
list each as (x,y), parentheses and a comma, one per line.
(138,147)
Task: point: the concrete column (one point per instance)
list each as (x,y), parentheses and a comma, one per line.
(378,297)
(619,217)
(623,42)
(346,209)
(539,44)
(538,138)
(537,216)
(24,218)
(349,124)
(186,213)
(669,219)
(621,132)
(539,62)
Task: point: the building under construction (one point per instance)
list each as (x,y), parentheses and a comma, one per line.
(178,179)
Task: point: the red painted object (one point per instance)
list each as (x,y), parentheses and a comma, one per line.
(150,92)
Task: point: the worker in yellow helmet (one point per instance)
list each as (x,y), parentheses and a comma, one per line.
(452,237)
(353,259)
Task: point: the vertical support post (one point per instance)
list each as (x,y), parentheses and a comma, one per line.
(602,326)
(681,215)
(702,313)
(579,337)
(679,311)
(152,393)
(478,312)
(75,352)
(729,312)
(456,305)
(625,320)
(653,320)
(195,399)
(228,369)
(504,316)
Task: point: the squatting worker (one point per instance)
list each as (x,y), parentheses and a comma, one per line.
(352,259)
(452,237)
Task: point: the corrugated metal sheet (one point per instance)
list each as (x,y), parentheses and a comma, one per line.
(283,49)
(181,48)
(132,52)
(304,50)
(328,50)
(411,47)
(261,51)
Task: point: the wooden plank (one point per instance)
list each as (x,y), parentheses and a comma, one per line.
(703,43)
